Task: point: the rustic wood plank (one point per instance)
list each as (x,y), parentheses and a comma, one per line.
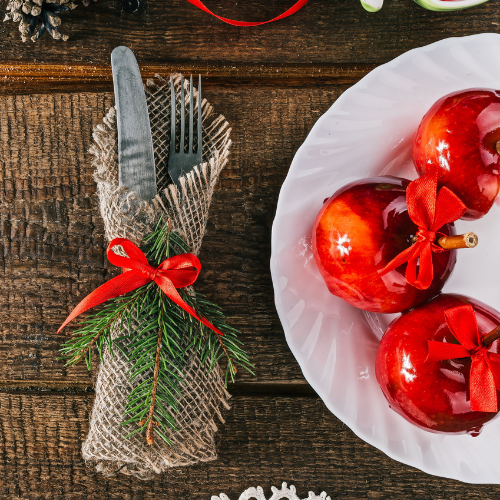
(51,234)
(265,441)
(24,79)
(323,32)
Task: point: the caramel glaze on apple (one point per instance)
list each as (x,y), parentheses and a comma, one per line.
(359,230)
(458,136)
(432,395)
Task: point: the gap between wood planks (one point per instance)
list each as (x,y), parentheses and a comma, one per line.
(293,388)
(48,78)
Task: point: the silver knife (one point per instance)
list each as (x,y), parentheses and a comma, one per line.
(136,162)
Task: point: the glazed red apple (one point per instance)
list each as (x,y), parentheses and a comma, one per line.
(433,395)
(359,230)
(459,137)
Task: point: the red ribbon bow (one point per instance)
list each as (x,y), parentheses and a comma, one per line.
(294,8)
(430,212)
(485,366)
(178,271)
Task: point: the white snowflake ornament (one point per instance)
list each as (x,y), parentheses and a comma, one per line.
(278,494)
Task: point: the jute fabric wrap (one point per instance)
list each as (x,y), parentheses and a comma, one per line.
(203,396)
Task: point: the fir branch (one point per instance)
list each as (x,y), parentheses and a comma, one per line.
(150,420)
(96,329)
(157,388)
(159,340)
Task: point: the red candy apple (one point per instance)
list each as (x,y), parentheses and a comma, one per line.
(460,138)
(359,231)
(435,395)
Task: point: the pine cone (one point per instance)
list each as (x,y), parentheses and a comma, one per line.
(35,17)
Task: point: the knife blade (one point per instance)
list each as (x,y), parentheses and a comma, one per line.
(136,163)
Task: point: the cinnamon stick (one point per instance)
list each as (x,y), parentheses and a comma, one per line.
(467,240)
(489,338)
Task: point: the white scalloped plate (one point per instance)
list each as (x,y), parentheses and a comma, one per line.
(367,132)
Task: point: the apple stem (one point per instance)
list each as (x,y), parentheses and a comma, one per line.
(489,338)
(467,240)
(497,145)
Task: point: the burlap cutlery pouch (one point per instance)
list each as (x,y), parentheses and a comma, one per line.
(203,396)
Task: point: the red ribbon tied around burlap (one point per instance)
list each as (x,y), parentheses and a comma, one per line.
(294,8)
(485,366)
(176,272)
(430,211)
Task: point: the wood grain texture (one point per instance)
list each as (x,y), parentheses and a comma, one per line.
(265,441)
(51,234)
(174,31)
(25,79)
(51,237)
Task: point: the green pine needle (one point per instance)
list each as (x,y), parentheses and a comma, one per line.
(161,338)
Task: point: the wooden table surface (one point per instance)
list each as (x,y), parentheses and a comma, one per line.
(272,83)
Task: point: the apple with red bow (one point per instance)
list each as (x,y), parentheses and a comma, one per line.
(438,365)
(380,243)
(459,138)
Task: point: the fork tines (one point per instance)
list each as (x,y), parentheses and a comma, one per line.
(180,163)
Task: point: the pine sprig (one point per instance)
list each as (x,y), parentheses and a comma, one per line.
(161,339)
(96,329)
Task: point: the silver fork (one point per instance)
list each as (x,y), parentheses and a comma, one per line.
(181,163)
